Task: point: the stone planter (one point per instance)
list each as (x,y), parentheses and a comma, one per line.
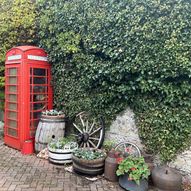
(62,156)
(131,185)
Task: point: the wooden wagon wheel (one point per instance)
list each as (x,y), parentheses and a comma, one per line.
(128,148)
(88,133)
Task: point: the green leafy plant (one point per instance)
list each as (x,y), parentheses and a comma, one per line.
(109,144)
(89,154)
(62,143)
(136,168)
(52,112)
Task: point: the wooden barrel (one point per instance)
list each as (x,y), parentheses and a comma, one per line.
(49,127)
(88,167)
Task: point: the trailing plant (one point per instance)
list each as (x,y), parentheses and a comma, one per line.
(107,55)
(52,112)
(89,154)
(63,143)
(136,168)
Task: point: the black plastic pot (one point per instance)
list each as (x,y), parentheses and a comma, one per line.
(131,185)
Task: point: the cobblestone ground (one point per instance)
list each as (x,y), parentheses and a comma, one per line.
(28,173)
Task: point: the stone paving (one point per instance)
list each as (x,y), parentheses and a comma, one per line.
(28,173)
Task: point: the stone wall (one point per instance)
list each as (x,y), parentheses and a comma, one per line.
(183,163)
(124,129)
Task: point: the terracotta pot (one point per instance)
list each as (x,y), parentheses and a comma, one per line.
(131,185)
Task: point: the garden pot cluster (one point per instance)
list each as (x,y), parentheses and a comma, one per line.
(123,163)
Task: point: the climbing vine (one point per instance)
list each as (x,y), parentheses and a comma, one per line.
(107,55)
(18,27)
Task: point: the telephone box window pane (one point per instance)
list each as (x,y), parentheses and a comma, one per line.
(12,71)
(12,106)
(39,81)
(38,106)
(12,132)
(12,97)
(39,89)
(12,80)
(12,123)
(12,115)
(32,133)
(34,124)
(12,89)
(36,115)
(39,72)
(39,97)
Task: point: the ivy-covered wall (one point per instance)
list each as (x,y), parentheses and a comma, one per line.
(110,54)
(17,27)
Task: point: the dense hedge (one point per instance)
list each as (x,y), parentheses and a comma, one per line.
(109,54)
(17,27)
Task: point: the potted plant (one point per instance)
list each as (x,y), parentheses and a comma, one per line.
(51,125)
(133,173)
(88,161)
(60,151)
(52,113)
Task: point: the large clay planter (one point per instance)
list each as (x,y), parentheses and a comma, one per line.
(131,185)
(166,179)
(88,167)
(49,127)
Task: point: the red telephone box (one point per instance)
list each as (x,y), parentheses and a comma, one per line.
(27,92)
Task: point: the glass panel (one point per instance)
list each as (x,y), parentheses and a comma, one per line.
(39,72)
(12,115)
(12,89)
(39,89)
(12,123)
(39,97)
(12,106)
(38,106)
(12,71)
(39,80)
(12,80)
(12,97)
(36,115)
(12,132)
(34,124)
(32,133)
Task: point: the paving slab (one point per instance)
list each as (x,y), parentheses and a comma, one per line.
(28,173)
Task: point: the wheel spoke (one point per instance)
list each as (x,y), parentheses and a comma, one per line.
(87,125)
(88,144)
(82,121)
(77,128)
(93,138)
(91,127)
(74,135)
(84,145)
(92,143)
(96,131)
